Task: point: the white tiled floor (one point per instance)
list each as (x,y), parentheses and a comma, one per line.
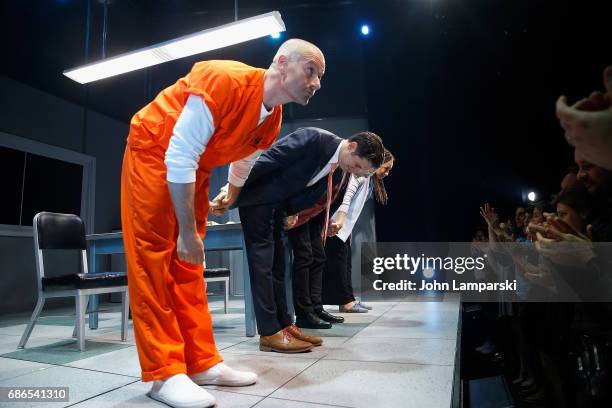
(402,356)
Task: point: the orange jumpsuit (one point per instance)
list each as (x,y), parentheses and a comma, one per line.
(172,324)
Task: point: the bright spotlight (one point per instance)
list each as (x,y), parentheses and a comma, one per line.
(365,30)
(428,272)
(275,36)
(531,196)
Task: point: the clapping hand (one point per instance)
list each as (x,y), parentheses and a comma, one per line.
(588,124)
(555,229)
(562,244)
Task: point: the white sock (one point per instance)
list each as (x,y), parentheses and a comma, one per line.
(179,391)
(221,374)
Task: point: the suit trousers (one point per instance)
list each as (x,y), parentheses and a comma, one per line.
(263,227)
(308,265)
(337,287)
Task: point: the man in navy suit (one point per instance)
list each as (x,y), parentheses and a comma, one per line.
(289,177)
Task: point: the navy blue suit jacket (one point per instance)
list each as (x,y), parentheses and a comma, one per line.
(281,174)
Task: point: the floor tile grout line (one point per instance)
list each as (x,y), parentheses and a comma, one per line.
(100,371)
(15,335)
(258,402)
(291,379)
(31,372)
(390,362)
(322,357)
(67,366)
(327,353)
(52,337)
(412,338)
(256,353)
(373,321)
(117,342)
(315,362)
(243,341)
(136,379)
(306,368)
(226,389)
(102,393)
(307,402)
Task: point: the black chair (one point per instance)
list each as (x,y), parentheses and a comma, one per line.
(53,231)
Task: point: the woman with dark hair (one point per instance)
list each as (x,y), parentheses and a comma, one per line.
(574,207)
(337,288)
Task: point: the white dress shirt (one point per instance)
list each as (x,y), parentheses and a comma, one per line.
(354,199)
(325,170)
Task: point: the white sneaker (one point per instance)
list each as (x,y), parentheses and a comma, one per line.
(221,374)
(179,391)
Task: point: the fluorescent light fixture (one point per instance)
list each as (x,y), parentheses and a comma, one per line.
(206,40)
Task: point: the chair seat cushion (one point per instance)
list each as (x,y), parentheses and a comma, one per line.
(216,273)
(85,281)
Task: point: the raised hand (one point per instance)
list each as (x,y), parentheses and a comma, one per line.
(588,124)
(489,215)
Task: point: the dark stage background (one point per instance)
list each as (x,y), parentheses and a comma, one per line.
(462,91)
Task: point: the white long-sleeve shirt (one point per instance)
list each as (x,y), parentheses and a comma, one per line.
(325,170)
(357,192)
(190,135)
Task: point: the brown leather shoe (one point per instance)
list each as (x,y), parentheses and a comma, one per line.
(283,342)
(299,334)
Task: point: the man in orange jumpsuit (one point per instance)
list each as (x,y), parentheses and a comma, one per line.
(221,112)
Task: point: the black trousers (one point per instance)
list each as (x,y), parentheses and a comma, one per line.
(337,287)
(308,265)
(263,232)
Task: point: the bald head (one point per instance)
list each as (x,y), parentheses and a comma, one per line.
(296,49)
(295,73)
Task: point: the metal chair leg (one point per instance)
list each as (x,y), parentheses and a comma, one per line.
(226,300)
(81,307)
(35,314)
(74,332)
(125,311)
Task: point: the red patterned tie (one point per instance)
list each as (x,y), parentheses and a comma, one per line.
(329,196)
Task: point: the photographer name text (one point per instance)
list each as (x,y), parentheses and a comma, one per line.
(405,285)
